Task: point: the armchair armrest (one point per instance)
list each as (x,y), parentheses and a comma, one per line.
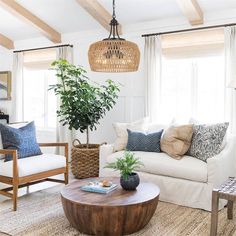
(104,152)
(8,151)
(13,152)
(223,165)
(53,144)
(65,145)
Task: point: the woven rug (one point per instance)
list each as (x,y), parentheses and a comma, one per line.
(41,213)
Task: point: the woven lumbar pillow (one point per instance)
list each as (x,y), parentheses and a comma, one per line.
(177,140)
(138,141)
(122,134)
(23,140)
(207,140)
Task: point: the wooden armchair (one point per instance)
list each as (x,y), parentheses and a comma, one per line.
(32,170)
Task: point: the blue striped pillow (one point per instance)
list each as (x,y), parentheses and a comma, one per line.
(138,141)
(23,140)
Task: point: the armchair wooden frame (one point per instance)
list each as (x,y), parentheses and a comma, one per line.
(25,181)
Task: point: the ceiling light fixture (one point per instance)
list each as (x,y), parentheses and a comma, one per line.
(114,54)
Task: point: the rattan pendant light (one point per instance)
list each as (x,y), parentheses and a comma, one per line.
(114,54)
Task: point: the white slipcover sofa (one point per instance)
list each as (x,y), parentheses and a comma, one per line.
(187,182)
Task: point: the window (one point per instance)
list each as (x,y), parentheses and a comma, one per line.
(193,83)
(39,104)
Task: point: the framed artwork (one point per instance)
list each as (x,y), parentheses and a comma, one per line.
(5,85)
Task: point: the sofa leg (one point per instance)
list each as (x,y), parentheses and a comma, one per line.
(15,195)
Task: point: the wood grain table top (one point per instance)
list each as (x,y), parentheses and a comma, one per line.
(145,192)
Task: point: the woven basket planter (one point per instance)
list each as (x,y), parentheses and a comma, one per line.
(84,161)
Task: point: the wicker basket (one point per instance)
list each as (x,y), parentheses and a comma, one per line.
(84,161)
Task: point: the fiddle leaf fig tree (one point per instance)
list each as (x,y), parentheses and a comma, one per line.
(82,102)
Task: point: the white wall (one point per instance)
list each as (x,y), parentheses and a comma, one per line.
(130,105)
(5,65)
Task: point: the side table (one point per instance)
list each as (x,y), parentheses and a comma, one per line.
(226,191)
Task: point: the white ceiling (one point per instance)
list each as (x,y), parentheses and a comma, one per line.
(67,16)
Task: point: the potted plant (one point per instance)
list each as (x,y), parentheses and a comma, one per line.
(82,104)
(129,180)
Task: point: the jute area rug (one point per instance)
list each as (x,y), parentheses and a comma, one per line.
(41,213)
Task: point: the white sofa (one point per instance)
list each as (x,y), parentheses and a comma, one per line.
(188,182)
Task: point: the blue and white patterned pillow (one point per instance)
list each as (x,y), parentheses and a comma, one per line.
(22,139)
(207,140)
(138,141)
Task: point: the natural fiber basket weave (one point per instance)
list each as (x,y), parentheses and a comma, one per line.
(84,161)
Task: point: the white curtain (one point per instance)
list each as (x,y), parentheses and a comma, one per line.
(153,58)
(63,133)
(17,87)
(230,74)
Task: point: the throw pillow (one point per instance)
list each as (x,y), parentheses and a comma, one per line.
(122,135)
(177,140)
(138,141)
(22,139)
(207,140)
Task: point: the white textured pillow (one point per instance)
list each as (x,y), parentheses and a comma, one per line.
(122,134)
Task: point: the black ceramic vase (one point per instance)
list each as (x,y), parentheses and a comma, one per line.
(131,183)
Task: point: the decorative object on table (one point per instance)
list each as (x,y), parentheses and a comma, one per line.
(127,165)
(114,54)
(4,118)
(117,213)
(5,85)
(99,186)
(83,104)
(226,191)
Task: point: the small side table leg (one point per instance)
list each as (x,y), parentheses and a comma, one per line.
(214,213)
(230,209)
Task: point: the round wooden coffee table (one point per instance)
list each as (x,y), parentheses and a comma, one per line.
(116,213)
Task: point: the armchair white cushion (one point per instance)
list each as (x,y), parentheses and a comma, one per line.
(33,165)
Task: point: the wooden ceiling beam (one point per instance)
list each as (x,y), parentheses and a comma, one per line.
(192,11)
(6,42)
(19,11)
(99,13)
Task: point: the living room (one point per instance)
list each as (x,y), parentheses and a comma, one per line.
(99,95)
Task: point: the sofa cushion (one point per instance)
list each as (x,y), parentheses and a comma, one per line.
(139,141)
(33,165)
(207,140)
(122,134)
(22,139)
(188,167)
(176,140)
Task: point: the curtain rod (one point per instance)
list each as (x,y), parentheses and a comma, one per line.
(187,30)
(33,49)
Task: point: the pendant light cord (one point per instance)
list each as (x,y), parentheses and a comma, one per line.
(114,13)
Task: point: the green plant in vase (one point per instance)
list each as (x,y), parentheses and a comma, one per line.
(83,103)
(127,164)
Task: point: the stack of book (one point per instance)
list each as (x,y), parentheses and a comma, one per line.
(96,187)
